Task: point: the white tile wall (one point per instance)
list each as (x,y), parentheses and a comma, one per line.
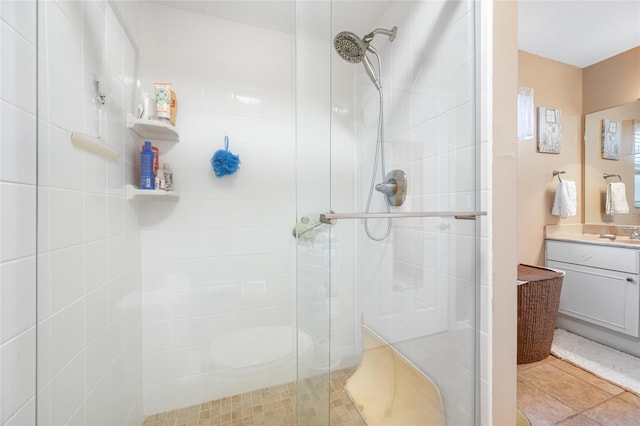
(89,324)
(17,221)
(17,295)
(222,258)
(18,149)
(17,212)
(19,73)
(17,358)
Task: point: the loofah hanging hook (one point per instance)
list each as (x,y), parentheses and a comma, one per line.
(224,162)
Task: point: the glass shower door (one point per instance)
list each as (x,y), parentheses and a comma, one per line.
(392,319)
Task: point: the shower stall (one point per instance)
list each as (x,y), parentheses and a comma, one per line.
(342,257)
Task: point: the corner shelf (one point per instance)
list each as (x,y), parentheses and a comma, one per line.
(134,193)
(153,129)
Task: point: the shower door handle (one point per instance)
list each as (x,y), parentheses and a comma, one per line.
(333,217)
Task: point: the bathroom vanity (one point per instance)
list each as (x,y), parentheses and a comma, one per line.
(600,297)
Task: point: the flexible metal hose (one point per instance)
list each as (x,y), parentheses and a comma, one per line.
(380,155)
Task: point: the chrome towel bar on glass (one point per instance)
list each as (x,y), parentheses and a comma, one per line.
(331,218)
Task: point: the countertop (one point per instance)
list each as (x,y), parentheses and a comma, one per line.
(590,234)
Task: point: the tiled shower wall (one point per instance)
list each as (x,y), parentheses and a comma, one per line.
(89,301)
(88,297)
(17,211)
(430,134)
(220,262)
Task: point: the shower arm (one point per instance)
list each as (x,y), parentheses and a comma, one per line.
(390,33)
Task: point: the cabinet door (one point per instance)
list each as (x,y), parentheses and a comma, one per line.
(608,298)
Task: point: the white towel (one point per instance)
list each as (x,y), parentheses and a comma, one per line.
(565,203)
(616,199)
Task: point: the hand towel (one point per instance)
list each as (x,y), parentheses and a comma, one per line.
(565,203)
(616,199)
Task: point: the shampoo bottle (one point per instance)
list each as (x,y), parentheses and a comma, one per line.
(146,167)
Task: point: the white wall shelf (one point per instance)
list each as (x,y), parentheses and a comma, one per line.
(153,129)
(134,193)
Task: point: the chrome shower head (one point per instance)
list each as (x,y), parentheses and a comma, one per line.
(350,47)
(353,49)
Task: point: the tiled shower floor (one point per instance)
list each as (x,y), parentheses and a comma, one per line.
(274,406)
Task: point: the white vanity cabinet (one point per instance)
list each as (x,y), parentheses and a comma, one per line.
(601,285)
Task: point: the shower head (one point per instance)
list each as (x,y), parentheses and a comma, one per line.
(353,49)
(350,47)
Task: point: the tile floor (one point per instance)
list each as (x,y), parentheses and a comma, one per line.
(550,392)
(555,392)
(275,406)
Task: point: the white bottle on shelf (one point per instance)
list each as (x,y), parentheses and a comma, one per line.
(167,177)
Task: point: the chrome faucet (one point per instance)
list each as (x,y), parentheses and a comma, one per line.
(634,232)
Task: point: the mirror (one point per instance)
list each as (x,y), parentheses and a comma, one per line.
(618,124)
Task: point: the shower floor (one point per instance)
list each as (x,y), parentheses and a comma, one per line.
(274,406)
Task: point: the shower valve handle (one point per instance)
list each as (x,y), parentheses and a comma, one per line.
(388,187)
(394,187)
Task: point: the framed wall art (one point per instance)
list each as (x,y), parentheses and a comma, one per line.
(610,139)
(549,130)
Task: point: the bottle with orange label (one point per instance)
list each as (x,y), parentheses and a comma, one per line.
(163,100)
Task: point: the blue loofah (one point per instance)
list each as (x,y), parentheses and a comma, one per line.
(224,162)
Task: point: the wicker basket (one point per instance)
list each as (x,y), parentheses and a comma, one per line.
(538,302)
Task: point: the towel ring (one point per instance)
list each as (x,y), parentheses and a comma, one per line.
(607,176)
(558,173)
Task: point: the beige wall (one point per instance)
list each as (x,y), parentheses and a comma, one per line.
(612,82)
(520,171)
(504,63)
(575,92)
(556,85)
